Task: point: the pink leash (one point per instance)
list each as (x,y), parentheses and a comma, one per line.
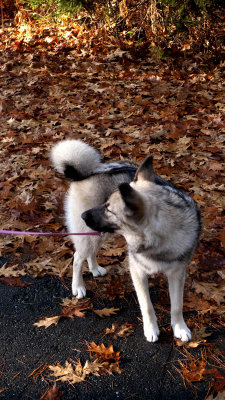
(7,232)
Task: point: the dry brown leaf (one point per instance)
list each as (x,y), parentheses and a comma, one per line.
(193,369)
(114,251)
(47,321)
(117,330)
(76,373)
(12,281)
(74,308)
(192,301)
(106,312)
(93,367)
(102,352)
(113,367)
(52,393)
(210,291)
(68,373)
(198,338)
(13,270)
(67,301)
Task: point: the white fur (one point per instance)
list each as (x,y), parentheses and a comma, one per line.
(76,153)
(80,198)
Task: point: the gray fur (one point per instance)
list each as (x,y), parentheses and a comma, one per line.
(161,225)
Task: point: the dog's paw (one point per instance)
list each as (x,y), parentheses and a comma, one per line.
(99,272)
(79,291)
(182,332)
(152,333)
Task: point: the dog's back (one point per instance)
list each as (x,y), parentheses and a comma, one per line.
(92,181)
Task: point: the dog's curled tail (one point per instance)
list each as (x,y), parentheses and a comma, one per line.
(75,159)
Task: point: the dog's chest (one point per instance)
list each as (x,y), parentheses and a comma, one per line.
(146,264)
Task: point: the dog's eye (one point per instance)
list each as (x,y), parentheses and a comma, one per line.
(107,205)
(110,211)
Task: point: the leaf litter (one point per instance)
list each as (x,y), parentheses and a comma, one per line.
(126,107)
(105,360)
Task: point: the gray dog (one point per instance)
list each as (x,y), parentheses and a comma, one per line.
(161,225)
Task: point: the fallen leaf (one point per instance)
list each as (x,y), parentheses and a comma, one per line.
(47,321)
(67,301)
(12,281)
(93,367)
(68,373)
(77,310)
(52,393)
(106,312)
(73,309)
(12,271)
(102,352)
(194,370)
(75,373)
(198,338)
(114,252)
(117,330)
(210,291)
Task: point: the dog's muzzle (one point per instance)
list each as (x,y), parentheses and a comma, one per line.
(95,219)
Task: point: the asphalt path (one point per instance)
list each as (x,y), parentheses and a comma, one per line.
(149,369)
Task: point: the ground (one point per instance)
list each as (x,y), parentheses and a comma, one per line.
(149,370)
(59,83)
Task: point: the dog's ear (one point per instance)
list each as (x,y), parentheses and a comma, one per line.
(132,200)
(145,171)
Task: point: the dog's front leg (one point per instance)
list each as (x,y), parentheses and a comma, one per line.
(140,281)
(176,289)
(94,268)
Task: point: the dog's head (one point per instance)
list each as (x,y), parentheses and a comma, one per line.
(125,208)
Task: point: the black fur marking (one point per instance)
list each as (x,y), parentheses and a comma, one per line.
(71,173)
(107,169)
(126,170)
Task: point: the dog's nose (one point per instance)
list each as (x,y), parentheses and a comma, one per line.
(84,215)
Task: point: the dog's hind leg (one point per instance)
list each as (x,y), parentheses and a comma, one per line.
(78,288)
(94,268)
(176,288)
